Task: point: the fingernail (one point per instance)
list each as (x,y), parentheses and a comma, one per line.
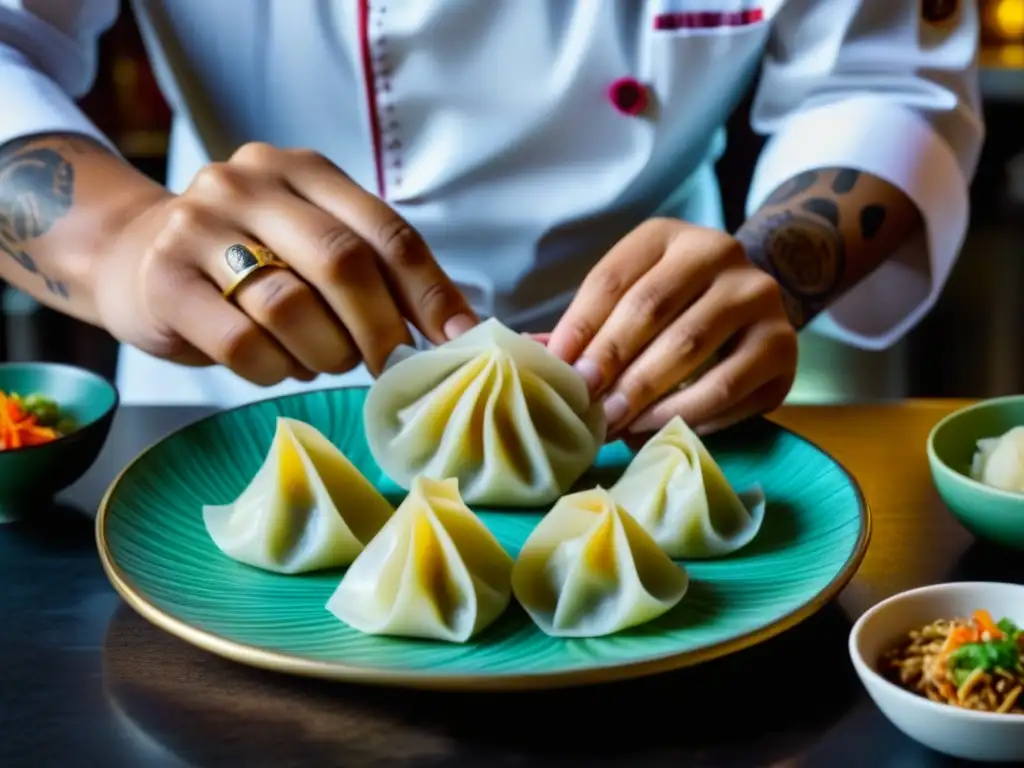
(458,325)
(616,408)
(590,373)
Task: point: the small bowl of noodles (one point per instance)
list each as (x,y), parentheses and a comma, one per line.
(945,664)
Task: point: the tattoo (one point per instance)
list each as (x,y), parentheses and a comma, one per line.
(822,206)
(871,219)
(26,261)
(37,187)
(804,254)
(845,181)
(816,247)
(790,189)
(58,287)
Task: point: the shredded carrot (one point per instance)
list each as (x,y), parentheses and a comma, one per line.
(5,422)
(959,636)
(14,410)
(984,621)
(19,428)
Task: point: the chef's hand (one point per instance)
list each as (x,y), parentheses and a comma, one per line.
(358,272)
(657,306)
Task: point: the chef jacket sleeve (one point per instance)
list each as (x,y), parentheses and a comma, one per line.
(48,52)
(872,85)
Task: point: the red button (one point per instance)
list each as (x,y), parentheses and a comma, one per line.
(628,95)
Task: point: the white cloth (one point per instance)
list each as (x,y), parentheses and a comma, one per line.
(487,124)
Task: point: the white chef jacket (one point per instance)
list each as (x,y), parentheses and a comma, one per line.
(488,125)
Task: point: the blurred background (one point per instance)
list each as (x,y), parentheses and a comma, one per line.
(972,345)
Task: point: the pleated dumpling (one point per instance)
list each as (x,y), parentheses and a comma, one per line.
(494,409)
(307,508)
(588,569)
(678,493)
(434,571)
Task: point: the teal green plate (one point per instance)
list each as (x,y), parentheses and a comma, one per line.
(158,556)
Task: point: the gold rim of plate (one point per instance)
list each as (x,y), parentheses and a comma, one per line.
(339,672)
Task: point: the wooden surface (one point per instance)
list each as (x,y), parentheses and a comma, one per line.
(883,446)
(86,681)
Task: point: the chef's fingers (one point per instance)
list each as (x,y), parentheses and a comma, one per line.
(613,276)
(764,352)
(765,398)
(194,309)
(736,299)
(423,292)
(690,266)
(336,308)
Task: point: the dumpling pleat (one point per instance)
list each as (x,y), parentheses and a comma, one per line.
(307,508)
(437,433)
(589,570)
(679,494)
(453,577)
(513,423)
(564,434)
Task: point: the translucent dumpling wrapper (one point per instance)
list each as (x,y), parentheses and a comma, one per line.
(308,508)
(679,494)
(999,461)
(434,571)
(589,569)
(492,408)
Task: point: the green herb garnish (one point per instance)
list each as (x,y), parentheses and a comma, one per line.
(1008,628)
(48,413)
(45,409)
(1000,653)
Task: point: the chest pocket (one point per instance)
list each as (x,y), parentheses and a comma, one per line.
(708,18)
(702,38)
(699,57)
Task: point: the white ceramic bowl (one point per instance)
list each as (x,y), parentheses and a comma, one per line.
(958,732)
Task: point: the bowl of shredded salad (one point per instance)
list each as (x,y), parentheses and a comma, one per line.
(54,420)
(945,664)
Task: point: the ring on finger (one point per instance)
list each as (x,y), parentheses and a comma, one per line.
(246,260)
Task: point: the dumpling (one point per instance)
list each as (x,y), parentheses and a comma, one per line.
(999,461)
(589,569)
(434,571)
(679,494)
(307,508)
(494,409)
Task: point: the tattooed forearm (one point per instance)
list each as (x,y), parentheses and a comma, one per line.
(824,208)
(37,188)
(845,181)
(65,203)
(793,187)
(872,217)
(804,252)
(823,231)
